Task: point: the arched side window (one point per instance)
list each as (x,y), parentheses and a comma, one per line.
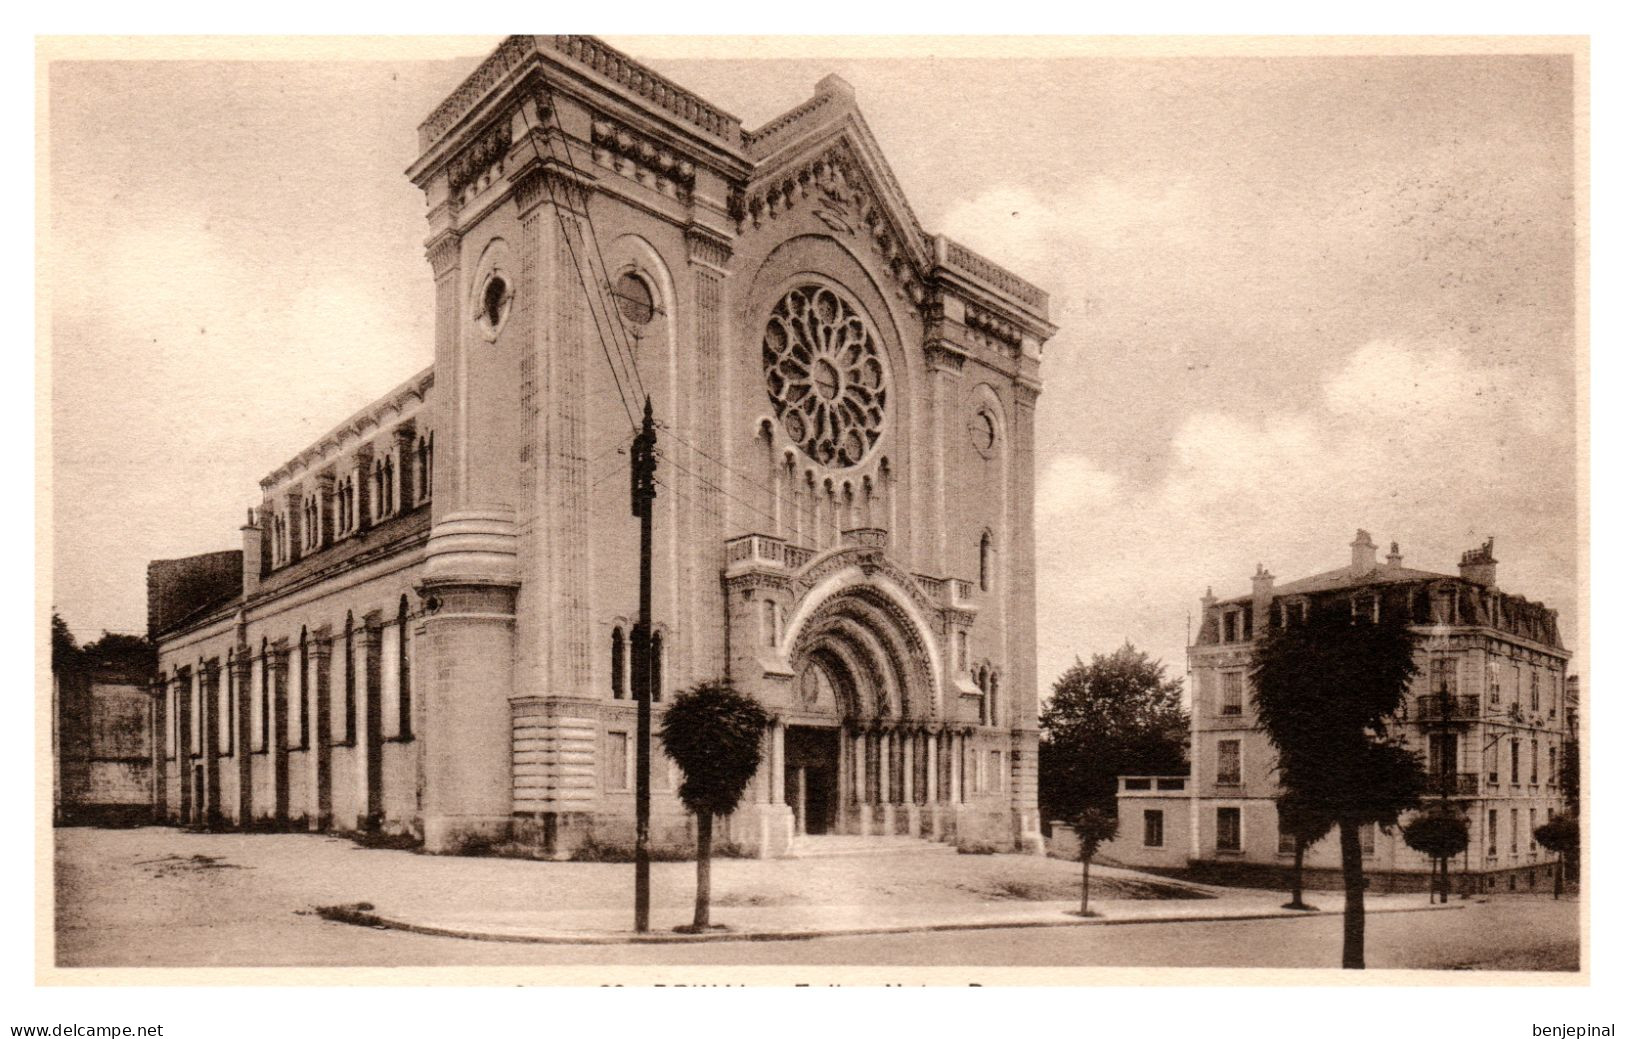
(993,698)
(424,460)
(985,559)
(657,667)
(617,663)
(404,670)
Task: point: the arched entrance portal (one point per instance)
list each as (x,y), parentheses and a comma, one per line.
(859,750)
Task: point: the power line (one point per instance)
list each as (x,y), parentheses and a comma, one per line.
(619,468)
(779,495)
(618,447)
(613,312)
(710,510)
(576,262)
(716,487)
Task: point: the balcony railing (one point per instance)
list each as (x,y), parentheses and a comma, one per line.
(766,550)
(1443,706)
(1457,784)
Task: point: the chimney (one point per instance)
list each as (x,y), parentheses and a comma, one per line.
(1364,558)
(253,558)
(1394,558)
(1478,564)
(1263,598)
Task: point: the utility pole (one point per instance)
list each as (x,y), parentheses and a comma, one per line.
(643,497)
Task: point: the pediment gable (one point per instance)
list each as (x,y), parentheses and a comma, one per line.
(822,155)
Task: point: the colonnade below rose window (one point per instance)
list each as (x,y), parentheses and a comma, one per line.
(886,777)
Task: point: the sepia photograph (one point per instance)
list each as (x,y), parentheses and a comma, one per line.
(946,509)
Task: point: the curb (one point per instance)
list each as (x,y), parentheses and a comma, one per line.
(365,917)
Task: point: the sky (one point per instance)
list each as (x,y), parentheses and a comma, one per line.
(1296,296)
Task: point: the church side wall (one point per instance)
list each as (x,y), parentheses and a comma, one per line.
(369,595)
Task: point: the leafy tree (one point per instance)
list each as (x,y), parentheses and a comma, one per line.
(1569,776)
(1094,827)
(714,733)
(64,648)
(1117,715)
(1305,824)
(1441,834)
(1561,835)
(1325,687)
(132,653)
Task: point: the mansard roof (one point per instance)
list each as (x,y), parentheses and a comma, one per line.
(1345,578)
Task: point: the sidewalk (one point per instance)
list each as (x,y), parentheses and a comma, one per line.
(789,923)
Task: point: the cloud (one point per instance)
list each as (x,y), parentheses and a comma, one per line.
(1438,384)
(1050,237)
(1071,483)
(1416,442)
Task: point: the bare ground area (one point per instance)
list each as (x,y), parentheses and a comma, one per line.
(160,897)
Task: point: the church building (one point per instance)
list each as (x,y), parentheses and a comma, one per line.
(428,628)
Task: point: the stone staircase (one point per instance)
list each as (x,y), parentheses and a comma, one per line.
(808,847)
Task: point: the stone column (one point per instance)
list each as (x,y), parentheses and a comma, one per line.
(860,784)
(943,364)
(843,783)
(703,408)
(370,713)
(761,792)
(277,662)
(778,763)
(934,809)
(209,709)
(243,670)
(888,808)
(801,800)
(911,811)
(468,726)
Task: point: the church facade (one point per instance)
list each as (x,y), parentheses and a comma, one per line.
(428,629)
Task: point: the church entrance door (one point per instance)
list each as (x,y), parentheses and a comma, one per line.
(811,760)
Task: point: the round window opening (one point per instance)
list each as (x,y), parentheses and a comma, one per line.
(982,432)
(824,376)
(494,303)
(632,296)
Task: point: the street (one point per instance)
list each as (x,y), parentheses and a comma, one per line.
(172,911)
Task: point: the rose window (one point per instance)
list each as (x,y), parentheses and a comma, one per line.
(824,376)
